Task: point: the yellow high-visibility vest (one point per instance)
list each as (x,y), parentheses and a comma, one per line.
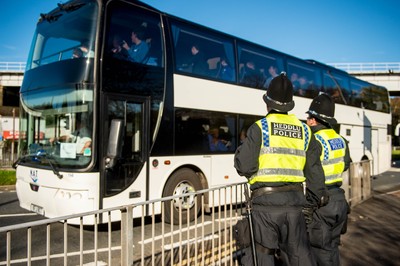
(332,156)
(285,140)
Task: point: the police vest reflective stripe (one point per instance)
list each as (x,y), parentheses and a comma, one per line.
(332,156)
(285,140)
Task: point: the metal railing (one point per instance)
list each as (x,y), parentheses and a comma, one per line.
(12,66)
(7,159)
(208,239)
(389,67)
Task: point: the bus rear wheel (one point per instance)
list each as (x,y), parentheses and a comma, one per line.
(182,182)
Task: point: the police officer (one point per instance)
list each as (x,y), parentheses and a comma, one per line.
(328,222)
(276,156)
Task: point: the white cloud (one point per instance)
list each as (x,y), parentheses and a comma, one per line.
(9,47)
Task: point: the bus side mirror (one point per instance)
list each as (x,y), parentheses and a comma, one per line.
(114,148)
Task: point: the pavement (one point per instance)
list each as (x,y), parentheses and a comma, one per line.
(7,188)
(373,232)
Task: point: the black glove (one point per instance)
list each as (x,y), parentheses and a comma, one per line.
(308,214)
(324,200)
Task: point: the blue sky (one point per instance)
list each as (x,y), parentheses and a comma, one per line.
(347,31)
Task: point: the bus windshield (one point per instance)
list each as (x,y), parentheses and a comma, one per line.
(65,33)
(56,120)
(59,130)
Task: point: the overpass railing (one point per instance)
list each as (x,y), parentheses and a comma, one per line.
(206,240)
(389,67)
(12,66)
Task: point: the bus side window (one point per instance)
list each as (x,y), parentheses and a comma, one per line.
(200,52)
(305,77)
(134,35)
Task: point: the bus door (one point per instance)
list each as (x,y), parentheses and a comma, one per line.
(126,125)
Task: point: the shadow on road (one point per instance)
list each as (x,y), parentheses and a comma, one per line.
(373,235)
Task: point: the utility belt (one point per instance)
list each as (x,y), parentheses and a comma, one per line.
(269,190)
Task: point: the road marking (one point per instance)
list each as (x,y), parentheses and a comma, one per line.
(62,255)
(17,214)
(395,193)
(393,169)
(7,190)
(190,241)
(212,257)
(149,240)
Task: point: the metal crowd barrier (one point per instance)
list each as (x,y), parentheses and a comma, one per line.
(357,182)
(148,240)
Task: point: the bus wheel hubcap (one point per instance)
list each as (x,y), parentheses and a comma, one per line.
(185,202)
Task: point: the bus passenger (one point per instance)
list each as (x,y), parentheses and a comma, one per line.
(139,49)
(294,78)
(83,51)
(87,52)
(266,158)
(326,224)
(81,136)
(303,82)
(250,76)
(273,72)
(117,50)
(77,53)
(197,62)
(225,71)
(216,143)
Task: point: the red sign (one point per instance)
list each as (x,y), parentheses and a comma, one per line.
(7,134)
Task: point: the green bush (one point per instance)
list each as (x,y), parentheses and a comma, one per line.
(395,155)
(7,177)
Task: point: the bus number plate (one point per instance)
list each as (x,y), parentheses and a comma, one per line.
(37,209)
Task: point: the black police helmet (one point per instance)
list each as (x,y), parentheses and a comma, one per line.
(279,95)
(323,108)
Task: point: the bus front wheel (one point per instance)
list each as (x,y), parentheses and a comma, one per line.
(182,182)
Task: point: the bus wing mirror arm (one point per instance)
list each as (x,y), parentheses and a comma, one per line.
(114,148)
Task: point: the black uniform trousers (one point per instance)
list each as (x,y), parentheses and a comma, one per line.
(327,225)
(279,224)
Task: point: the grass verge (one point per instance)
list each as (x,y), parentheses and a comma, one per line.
(7,177)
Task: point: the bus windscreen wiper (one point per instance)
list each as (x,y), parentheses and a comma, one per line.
(39,154)
(55,171)
(54,16)
(70,6)
(49,17)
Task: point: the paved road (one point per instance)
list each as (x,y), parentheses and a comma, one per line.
(373,236)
